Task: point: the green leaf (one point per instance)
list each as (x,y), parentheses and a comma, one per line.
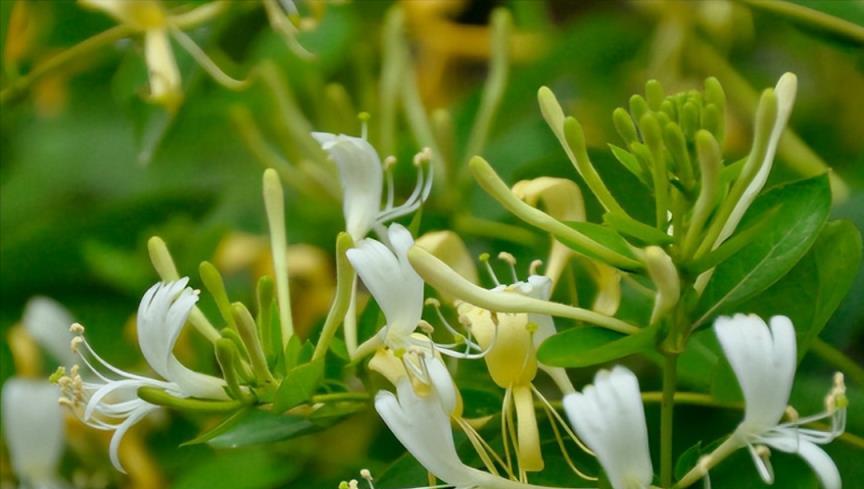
(803,210)
(586,346)
(253,426)
(603,235)
(629,162)
(811,292)
(258,468)
(298,385)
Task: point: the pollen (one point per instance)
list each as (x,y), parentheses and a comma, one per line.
(76,328)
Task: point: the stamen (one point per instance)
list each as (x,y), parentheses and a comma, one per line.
(425,327)
(364,124)
(535,265)
(366,474)
(76,341)
(510,260)
(76,329)
(484,259)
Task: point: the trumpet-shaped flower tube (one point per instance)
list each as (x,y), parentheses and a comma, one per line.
(764,360)
(609,417)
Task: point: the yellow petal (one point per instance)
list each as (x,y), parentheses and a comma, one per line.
(448,247)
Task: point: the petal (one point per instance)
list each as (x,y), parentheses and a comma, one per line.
(396,287)
(756,360)
(610,418)
(821,463)
(423,428)
(362,180)
(160,320)
(443,382)
(117,437)
(48,323)
(763,466)
(32,426)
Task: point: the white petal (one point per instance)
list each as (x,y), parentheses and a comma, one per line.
(48,323)
(423,428)
(362,180)
(821,463)
(120,432)
(443,383)
(763,466)
(610,418)
(33,427)
(392,281)
(761,364)
(161,317)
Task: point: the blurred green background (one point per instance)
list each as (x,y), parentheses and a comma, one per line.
(90,170)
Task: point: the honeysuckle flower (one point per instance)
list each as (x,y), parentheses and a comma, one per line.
(764,360)
(106,397)
(510,341)
(362,178)
(421,422)
(158,26)
(610,418)
(48,323)
(33,428)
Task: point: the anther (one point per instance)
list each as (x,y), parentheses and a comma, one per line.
(792,414)
(510,260)
(366,474)
(425,327)
(484,259)
(76,328)
(535,265)
(433,302)
(424,156)
(389,162)
(75,342)
(343,485)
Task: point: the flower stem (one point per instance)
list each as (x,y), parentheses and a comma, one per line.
(839,360)
(667,406)
(805,15)
(707,462)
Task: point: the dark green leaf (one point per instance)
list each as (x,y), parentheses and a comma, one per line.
(803,210)
(298,385)
(586,346)
(253,426)
(812,290)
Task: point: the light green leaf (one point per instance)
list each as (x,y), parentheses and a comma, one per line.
(298,385)
(603,235)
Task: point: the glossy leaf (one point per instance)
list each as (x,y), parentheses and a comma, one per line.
(586,346)
(253,426)
(803,210)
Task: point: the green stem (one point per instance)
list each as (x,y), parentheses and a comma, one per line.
(501,27)
(839,360)
(341,396)
(812,17)
(667,410)
(81,50)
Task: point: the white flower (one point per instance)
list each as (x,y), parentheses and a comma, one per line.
(610,418)
(393,283)
(422,424)
(48,323)
(764,361)
(362,178)
(106,398)
(33,428)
